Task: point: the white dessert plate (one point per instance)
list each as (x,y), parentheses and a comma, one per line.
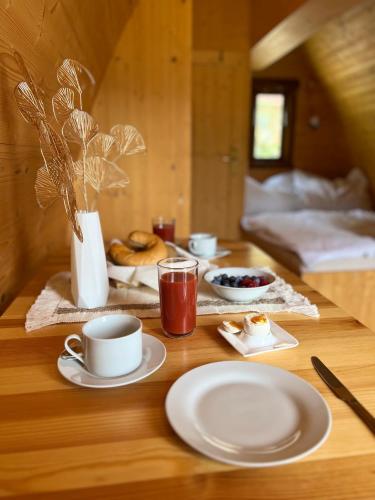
(220,252)
(278,340)
(248,414)
(154,354)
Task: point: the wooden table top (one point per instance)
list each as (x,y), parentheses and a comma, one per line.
(62,441)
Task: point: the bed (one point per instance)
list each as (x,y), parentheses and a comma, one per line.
(322,230)
(316,240)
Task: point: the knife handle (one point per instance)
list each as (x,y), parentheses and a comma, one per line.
(363,414)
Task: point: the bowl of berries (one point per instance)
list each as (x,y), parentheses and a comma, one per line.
(239,284)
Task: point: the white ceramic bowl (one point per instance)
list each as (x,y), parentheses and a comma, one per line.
(239,294)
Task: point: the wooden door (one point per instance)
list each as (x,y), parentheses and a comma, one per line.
(221,88)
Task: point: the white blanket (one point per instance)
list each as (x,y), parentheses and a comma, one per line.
(317,235)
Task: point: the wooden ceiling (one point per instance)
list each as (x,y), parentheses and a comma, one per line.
(295,29)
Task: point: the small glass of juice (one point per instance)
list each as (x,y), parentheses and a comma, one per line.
(164,228)
(178,283)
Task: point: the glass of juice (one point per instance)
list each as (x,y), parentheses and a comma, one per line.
(164,228)
(178,283)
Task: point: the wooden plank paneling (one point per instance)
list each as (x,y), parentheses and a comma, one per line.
(60,441)
(221,89)
(221,25)
(44,32)
(343,54)
(296,29)
(148,84)
(353,291)
(324,150)
(266,14)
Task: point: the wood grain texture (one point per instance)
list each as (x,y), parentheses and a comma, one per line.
(298,27)
(353,291)
(343,54)
(221,25)
(266,14)
(44,32)
(323,151)
(148,84)
(61,441)
(221,91)
(221,88)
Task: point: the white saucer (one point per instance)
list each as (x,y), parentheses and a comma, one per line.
(220,252)
(248,414)
(154,354)
(278,340)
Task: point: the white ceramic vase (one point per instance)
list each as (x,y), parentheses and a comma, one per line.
(89,283)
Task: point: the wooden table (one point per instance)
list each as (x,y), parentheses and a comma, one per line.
(61,441)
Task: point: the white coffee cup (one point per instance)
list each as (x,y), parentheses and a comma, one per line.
(203,244)
(111,345)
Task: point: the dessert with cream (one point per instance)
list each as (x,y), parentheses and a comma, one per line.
(257,324)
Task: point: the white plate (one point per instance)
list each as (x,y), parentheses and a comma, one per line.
(248,414)
(278,340)
(220,252)
(154,354)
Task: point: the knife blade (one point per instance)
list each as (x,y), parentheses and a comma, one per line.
(340,391)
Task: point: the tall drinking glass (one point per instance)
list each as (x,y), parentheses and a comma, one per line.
(164,228)
(178,283)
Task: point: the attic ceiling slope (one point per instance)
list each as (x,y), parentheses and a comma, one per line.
(295,29)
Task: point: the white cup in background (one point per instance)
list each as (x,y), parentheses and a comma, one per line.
(203,244)
(111,345)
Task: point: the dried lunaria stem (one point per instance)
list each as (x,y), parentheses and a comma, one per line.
(128,140)
(73,74)
(63,170)
(46,192)
(101,173)
(30,106)
(63,104)
(56,176)
(101,145)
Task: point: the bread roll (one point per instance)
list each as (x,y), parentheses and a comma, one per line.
(142,249)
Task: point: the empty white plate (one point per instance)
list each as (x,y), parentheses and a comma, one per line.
(154,354)
(248,414)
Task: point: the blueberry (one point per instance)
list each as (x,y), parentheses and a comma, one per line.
(237,281)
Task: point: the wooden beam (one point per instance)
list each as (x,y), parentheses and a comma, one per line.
(296,29)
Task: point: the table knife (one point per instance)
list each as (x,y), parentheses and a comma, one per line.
(343,393)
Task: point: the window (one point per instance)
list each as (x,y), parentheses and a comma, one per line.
(272,122)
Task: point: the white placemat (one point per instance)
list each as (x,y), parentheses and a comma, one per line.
(54,304)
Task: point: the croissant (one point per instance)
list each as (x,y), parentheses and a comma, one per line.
(142,249)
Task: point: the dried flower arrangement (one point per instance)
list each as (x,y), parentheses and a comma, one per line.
(67,170)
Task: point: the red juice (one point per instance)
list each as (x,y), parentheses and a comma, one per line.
(178,302)
(165,231)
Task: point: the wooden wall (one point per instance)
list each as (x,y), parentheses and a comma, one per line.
(266,14)
(44,32)
(148,84)
(325,150)
(343,54)
(221,89)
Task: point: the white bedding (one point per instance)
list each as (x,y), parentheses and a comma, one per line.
(317,236)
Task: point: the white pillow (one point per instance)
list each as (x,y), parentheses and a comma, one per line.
(259,199)
(339,194)
(314,192)
(281,182)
